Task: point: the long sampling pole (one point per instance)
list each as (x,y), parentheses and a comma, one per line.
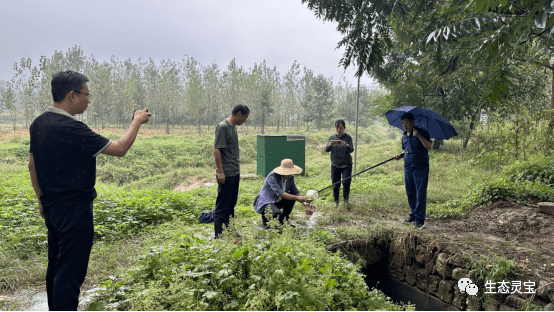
(379,164)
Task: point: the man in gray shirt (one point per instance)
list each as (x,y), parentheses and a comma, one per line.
(226,154)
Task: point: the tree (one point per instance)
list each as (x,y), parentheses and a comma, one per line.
(265,106)
(101,87)
(8,94)
(270,85)
(26,84)
(171,91)
(318,101)
(152,80)
(195,97)
(120,104)
(500,31)
(364,26)
(291,92)
(233,79)
(213,93)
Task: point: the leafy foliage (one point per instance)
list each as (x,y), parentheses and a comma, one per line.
(283,272)
(493,269)
(522,181)
(540,171)
(117,214)
(364,27)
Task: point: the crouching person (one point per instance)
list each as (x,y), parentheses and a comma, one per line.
(279,193)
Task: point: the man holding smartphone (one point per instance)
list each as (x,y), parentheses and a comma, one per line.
(62,166)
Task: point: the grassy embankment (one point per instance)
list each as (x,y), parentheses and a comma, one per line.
(137,209)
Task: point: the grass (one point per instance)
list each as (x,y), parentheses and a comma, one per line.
(158,164)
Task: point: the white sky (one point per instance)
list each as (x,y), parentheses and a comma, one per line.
(279,31)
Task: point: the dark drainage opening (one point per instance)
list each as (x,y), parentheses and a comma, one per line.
(400,292)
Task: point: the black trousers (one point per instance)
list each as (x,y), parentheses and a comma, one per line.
(70,234)
(225,204)
(276,212)
(338,174)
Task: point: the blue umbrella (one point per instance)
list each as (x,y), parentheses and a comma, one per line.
(436,124)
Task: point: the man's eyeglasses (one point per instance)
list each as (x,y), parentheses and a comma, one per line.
(87,94)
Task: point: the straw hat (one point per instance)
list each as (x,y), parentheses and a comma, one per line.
(287,168)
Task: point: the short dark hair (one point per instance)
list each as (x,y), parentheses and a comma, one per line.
(340,121)
(65,81)
(241,108)
(409,116)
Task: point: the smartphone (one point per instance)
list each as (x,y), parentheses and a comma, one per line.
(134,110)
(336,141)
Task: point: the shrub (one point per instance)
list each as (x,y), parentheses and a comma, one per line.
(523,191)
(117,214)
(539,170)
(284,272)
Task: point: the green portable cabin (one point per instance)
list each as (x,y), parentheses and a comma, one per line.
(271,149)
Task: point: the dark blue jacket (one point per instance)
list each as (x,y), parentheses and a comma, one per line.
(416,155)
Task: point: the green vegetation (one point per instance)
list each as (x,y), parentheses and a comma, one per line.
(495,269)
(141,210)
(523,181)
(278,272)
(136,204)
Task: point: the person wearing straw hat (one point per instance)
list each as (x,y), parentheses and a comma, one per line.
(279,193)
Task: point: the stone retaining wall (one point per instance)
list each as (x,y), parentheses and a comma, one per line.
(428,266)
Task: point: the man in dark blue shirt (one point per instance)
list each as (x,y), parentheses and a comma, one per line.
(62,166)
(415,142)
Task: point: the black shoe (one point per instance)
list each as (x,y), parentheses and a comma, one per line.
(419,224)
(291,225)
(411,219)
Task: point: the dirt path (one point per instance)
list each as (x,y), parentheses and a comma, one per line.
(512,230)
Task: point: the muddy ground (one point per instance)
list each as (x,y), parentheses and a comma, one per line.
(505,228)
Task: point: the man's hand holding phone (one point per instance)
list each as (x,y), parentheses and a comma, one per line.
(142,115)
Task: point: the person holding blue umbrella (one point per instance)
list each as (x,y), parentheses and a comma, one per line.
(419,125)
(416,143)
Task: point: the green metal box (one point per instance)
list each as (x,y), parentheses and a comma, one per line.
(271,149)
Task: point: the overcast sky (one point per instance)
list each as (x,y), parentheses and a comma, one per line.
(279,31)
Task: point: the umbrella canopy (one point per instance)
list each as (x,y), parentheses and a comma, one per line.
(436,124)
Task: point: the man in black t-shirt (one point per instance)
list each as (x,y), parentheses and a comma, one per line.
(62,166)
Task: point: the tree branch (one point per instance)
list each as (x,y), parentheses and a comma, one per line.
(551,67)
(537,35)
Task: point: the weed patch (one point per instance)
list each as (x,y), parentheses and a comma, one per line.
(281,272)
